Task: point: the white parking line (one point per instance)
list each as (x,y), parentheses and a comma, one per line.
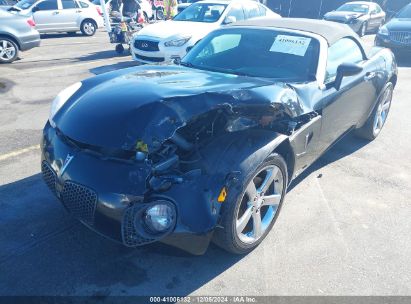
(18,152)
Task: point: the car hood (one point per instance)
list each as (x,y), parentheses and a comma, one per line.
(117,109)
(399,24)
(341,15)
(162,30)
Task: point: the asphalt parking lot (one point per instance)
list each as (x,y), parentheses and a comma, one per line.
(344,230)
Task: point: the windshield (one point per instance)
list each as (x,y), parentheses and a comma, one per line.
(405,12)
(357,8)
(201,12)
(25,4)
(257,53)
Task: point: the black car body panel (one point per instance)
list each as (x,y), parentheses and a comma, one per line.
(199,131)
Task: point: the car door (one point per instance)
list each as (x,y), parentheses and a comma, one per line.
(44,13)
(344,108)
(68,15)
(236,11)
(251,10)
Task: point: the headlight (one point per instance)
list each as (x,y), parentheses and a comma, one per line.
(61,99)
(160,217)
(383,31)
(177,42)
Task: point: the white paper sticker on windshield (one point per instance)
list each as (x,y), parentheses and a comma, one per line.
(291,45)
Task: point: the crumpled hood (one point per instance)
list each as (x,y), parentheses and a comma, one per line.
(172,28)
(149,103)
(340,15)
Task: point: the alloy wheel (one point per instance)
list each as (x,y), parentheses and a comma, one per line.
(259,204)
(89,28)
(7,50)
(382,111)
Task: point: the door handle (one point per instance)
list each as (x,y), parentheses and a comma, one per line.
(370,76)
(78,11)
(56,13)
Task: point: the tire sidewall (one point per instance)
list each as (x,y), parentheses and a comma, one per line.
(387,86)
(84,23)
(15,47)
(236,198)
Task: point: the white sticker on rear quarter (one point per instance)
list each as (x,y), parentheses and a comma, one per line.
(290,45)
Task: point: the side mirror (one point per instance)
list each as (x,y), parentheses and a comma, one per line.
(35,9)
(345,70)
(230,19)
(177,61)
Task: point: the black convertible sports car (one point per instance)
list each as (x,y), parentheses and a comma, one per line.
(205,149)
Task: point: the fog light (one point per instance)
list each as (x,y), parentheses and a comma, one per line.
(160,217)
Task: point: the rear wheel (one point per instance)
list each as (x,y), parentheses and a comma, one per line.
(159,14)
(9,50)
(251,214)
(119,49)
(88,27)
(377,119)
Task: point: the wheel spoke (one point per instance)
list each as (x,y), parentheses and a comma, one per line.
(272,200)
(257,229)
(385,106)
(271,175)
(243,221)
(4,44)
(380,122)
(251,190)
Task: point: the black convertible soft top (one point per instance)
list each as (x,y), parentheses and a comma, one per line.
(331,31)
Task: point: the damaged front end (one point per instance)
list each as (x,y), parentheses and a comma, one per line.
(159,166)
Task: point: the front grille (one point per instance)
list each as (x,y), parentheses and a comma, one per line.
(80,201)
(129,232)
(49,176)
(146,45)
(152,59)
(401,37)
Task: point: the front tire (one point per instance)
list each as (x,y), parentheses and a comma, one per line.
(9,51)
(248,216)
(88,27)
(373,126)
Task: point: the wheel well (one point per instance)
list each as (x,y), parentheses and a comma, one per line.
(90,19)
(285,150)
(12,39)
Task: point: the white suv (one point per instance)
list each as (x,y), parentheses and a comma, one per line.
(62,15)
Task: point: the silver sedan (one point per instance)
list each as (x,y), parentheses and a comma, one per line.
(17,33)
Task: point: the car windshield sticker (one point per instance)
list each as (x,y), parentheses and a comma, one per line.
(290,45)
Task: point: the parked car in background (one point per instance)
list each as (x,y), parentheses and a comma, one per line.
(62,15)
(165,41)
(5,4)
(396,34)
(362,16)
(205,150)
(183,6)
(17,33)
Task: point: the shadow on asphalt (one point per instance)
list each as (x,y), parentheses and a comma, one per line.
(43,251)
(346,146)
(404,60)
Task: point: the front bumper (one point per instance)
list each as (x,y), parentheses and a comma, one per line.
(164,54)
(386,41)
(107,194)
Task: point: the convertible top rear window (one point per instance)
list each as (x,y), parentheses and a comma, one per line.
(258,53)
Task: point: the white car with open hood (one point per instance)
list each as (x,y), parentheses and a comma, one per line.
(169,40)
